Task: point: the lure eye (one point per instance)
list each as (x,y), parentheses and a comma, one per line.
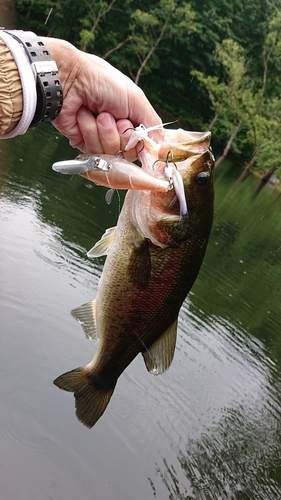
(202,178)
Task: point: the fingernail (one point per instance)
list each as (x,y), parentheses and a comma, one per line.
(106,120)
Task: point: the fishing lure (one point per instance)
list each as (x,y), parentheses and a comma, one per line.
(140,133)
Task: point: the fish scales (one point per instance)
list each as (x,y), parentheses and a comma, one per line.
(153,258)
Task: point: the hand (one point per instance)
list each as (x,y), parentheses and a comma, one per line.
(100,102)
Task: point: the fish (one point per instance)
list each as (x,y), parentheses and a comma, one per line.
(153,257)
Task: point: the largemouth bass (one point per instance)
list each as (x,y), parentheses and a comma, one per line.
(153,258)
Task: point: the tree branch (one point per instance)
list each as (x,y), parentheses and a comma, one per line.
(149,54)
(116,48)
(100,14)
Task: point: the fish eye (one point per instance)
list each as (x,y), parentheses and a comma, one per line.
(202,178)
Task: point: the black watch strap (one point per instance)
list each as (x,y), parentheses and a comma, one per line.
(48,86)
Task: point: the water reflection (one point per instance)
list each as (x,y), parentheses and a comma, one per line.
(209,428)
(232,449)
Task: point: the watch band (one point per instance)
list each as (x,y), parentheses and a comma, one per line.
(48,86)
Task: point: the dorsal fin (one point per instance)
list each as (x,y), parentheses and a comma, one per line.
(86,317)
(103,245)
(160,355)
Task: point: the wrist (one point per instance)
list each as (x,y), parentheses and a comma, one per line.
(11,102)
(41,88)
(66,57)
(27,84)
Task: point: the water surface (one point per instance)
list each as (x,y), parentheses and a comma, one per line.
(209,428)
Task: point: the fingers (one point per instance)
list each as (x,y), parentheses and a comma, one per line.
(103,134)
(92,85)
(125,128)
(115,135)
(90,140)
(108,133)
(80,127)
(142,112)
(119,96)
(99,135)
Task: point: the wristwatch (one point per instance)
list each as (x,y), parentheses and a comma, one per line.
(48,86)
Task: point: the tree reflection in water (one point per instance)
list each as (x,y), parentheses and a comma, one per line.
(239,459)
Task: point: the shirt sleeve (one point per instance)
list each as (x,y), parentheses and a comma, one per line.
(11,99)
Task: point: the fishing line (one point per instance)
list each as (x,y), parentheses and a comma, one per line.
(47,18)
(119,202)
(138,152)
(151,357)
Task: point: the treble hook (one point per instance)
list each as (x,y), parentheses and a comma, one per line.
(175,181)
(168,171)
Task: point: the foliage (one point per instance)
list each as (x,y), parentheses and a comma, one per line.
(239,102)
(149,29)
(233,99)
(228,96)
(270,156)
(97,13)
(212,62)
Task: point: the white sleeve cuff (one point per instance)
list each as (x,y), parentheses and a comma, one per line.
(28,82)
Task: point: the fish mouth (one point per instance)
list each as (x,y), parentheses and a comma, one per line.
(199,137)
(178,145)
(187,137)
(199,142)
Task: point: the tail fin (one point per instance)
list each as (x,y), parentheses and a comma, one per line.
(90,403)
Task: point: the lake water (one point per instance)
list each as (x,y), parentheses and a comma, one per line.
(209,428)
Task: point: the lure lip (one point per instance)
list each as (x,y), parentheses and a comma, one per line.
(81,165)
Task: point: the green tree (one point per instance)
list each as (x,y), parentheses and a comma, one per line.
(240,101)
(264,133)
(150,31)
(265,137)
(158,44)
(97,11)
(232,100)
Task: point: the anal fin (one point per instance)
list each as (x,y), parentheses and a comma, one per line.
(86,317)
(160,355)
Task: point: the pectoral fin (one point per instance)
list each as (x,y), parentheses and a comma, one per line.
(103,245)
(86,317)
(139,268)
(160,355)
